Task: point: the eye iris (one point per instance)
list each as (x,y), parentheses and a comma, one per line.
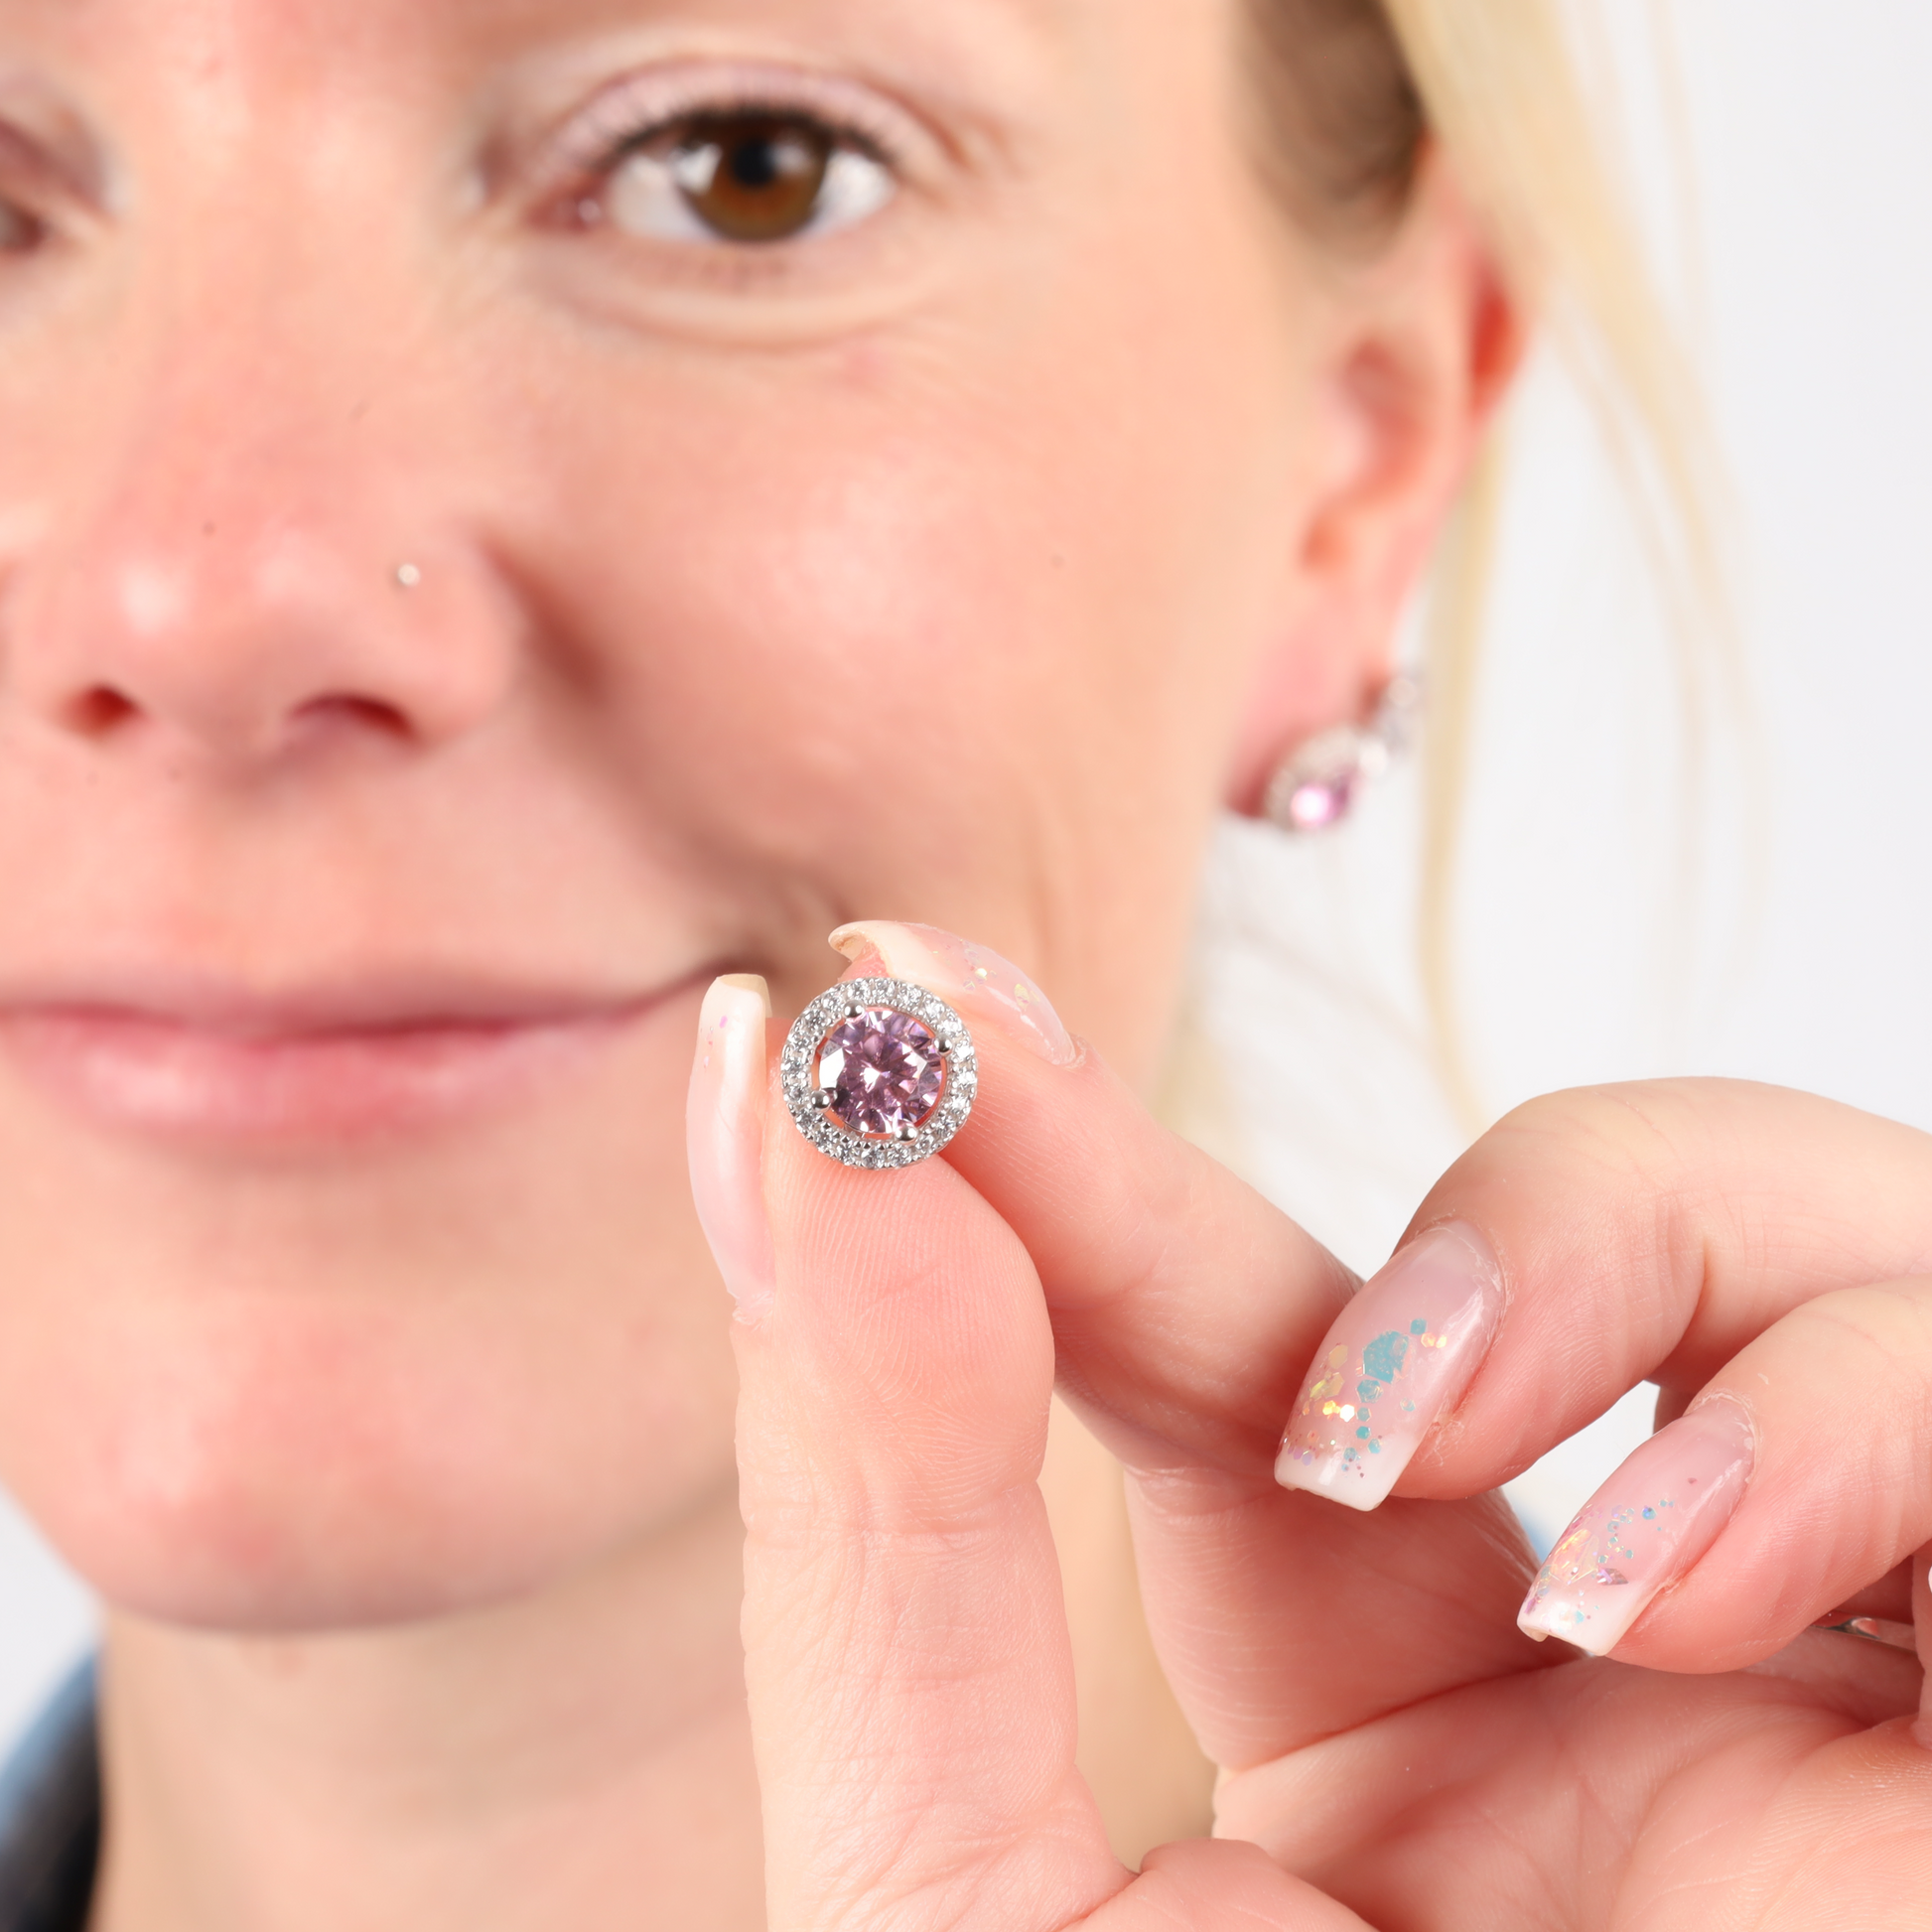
(755,178)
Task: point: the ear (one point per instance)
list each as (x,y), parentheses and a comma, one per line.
(1423,338)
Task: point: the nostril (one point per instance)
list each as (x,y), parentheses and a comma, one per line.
(345,713)
(99,710)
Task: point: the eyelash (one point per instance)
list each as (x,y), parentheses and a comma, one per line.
(616,128)
(619,147)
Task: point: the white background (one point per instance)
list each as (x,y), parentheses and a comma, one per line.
(1813,167)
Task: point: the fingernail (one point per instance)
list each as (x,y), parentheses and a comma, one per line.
(973,980)
(724,1131)
(1397,1357)
(1644,1529)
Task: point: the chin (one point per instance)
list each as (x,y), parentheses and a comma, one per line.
(286,1402)
(311,1483)
(297,1474)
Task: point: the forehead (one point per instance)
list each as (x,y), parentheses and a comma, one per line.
(219,30)
(1014,67)
(1016,80)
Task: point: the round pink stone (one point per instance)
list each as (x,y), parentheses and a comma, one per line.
(882,1072)
(1316,803)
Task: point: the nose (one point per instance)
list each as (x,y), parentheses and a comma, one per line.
(248,583)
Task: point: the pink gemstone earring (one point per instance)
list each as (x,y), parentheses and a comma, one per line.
(1316,784)
(877,1074)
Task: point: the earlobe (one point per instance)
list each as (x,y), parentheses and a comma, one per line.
(1425,340)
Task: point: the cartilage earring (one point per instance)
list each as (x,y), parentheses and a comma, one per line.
(877,1074)
(1315,785)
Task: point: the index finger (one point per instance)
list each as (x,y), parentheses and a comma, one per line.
(1184,1309)
(1153,1258)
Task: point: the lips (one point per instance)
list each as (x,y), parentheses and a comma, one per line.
(352,1065)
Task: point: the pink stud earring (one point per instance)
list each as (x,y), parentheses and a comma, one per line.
(1317,782)
(879,1072)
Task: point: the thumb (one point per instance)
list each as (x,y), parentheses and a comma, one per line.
(911,1689)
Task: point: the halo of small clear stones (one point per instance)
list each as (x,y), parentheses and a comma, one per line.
(798,1067)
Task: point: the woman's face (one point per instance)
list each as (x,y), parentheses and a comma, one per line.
(508,507)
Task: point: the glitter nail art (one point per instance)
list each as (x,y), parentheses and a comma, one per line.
(1399,1355)
(1643,1531)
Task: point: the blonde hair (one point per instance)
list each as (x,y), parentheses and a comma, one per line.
(1355,91)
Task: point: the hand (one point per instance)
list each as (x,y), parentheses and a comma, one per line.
(1392,1739)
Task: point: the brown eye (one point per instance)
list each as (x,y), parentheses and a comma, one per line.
(754,179)
(746,177)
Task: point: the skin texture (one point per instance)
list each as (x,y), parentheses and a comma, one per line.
(683,529)
(437,629)
(424,610)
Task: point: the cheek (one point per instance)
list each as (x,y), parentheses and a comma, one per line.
(932,630)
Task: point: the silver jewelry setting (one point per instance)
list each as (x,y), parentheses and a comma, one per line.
(1319,781)
(809,1105)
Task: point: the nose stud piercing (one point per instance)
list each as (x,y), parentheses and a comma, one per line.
(877,1074)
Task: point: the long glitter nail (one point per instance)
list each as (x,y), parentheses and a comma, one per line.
(1643,1530)
(1397,1357)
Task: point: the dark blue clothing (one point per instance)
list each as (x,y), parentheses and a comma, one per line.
(49,1816)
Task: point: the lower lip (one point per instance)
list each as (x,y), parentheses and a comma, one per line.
(147,1074)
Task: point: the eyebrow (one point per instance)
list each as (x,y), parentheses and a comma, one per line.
(984,66)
